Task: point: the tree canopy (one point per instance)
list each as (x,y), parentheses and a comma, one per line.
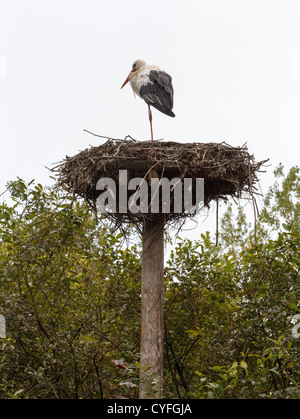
(70,295)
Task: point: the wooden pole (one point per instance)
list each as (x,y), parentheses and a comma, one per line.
(152,317)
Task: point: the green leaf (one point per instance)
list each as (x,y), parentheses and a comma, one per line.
(243,364)
(292,306)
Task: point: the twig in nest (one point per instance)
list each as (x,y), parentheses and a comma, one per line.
(100,136)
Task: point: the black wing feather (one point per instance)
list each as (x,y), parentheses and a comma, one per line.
(159,92)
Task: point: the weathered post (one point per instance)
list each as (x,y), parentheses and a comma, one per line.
(152,317)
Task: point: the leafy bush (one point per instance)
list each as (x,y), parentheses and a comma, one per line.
(70,293)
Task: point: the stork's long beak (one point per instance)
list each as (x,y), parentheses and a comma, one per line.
(127,80)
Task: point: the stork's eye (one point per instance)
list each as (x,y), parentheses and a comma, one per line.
(133,65)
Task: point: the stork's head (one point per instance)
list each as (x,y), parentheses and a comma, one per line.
(138,64)
(135,67)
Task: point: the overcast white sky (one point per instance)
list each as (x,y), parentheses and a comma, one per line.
(235,66)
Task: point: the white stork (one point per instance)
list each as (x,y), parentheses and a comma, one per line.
(154,86)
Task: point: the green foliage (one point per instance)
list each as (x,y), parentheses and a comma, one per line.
(282,203)
(70,293)
(234,231)
(229,321)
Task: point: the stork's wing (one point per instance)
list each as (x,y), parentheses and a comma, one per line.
(159,92)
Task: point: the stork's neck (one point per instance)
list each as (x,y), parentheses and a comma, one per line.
(132,80)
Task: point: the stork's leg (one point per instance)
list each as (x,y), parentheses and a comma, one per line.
(150,119)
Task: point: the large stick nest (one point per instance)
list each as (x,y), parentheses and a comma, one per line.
(227,171)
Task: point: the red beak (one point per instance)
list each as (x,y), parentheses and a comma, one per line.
(127,80)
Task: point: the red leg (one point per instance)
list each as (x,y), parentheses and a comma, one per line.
(150,119)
